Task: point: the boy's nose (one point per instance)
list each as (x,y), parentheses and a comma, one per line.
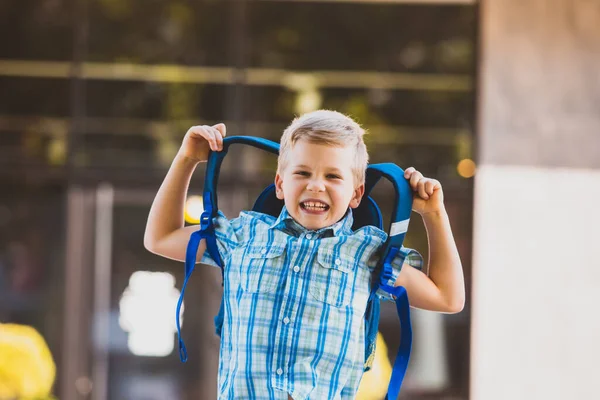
(315,185)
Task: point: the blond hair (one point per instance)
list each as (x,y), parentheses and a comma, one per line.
(329,128)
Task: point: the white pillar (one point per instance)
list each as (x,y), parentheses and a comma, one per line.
(536,264)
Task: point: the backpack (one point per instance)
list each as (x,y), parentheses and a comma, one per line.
(367,213)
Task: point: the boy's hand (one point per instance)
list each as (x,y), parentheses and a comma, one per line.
(199,140)
(428,192)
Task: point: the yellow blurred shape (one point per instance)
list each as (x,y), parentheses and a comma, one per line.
(27,369)
(466,168)
(308,100)
(374,383)
(194,208)
(57,151)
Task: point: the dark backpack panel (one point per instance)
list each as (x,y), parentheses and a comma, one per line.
(367,213)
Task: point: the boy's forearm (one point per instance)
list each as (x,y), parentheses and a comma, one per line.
(166,213)
(445,267)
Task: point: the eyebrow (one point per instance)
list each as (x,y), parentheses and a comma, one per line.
(333,169)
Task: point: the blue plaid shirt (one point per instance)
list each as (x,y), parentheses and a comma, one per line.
(294,304)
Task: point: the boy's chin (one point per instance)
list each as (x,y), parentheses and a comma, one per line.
(314,222)
(310,221)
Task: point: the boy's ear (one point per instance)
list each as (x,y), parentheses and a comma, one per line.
(357,196)
(278,186)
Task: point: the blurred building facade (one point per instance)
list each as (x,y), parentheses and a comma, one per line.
(95,98)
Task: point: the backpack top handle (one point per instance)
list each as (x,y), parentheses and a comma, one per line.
(215,159)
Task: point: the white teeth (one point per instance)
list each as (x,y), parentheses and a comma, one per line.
(314,205)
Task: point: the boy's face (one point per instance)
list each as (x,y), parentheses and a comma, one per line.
(318,185)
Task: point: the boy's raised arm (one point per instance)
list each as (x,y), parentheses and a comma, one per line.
(445,267)
(166,233)
(444,289)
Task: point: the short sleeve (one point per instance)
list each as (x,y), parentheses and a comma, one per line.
(404,256)
(228,235)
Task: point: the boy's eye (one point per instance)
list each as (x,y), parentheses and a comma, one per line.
(333,176)
(301,173)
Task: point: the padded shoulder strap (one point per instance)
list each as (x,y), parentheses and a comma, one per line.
(402,201)
(397,232)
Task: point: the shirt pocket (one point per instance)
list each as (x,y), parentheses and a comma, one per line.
(261,268)
(332,278)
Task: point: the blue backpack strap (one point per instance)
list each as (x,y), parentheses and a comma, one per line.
(207,231)
(397,232)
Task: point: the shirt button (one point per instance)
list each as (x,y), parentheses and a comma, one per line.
(286,320)
(296,269)
(338,261)
(279,371)
(309,236)
(263,251)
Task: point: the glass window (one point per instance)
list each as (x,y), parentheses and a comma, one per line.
(148,71)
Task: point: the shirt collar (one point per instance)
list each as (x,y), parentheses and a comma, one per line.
(286,222)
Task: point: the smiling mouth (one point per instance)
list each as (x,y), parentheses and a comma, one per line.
(314,206)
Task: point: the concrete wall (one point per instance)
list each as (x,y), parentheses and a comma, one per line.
(536,265)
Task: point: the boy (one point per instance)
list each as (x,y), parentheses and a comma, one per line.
(296,287)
